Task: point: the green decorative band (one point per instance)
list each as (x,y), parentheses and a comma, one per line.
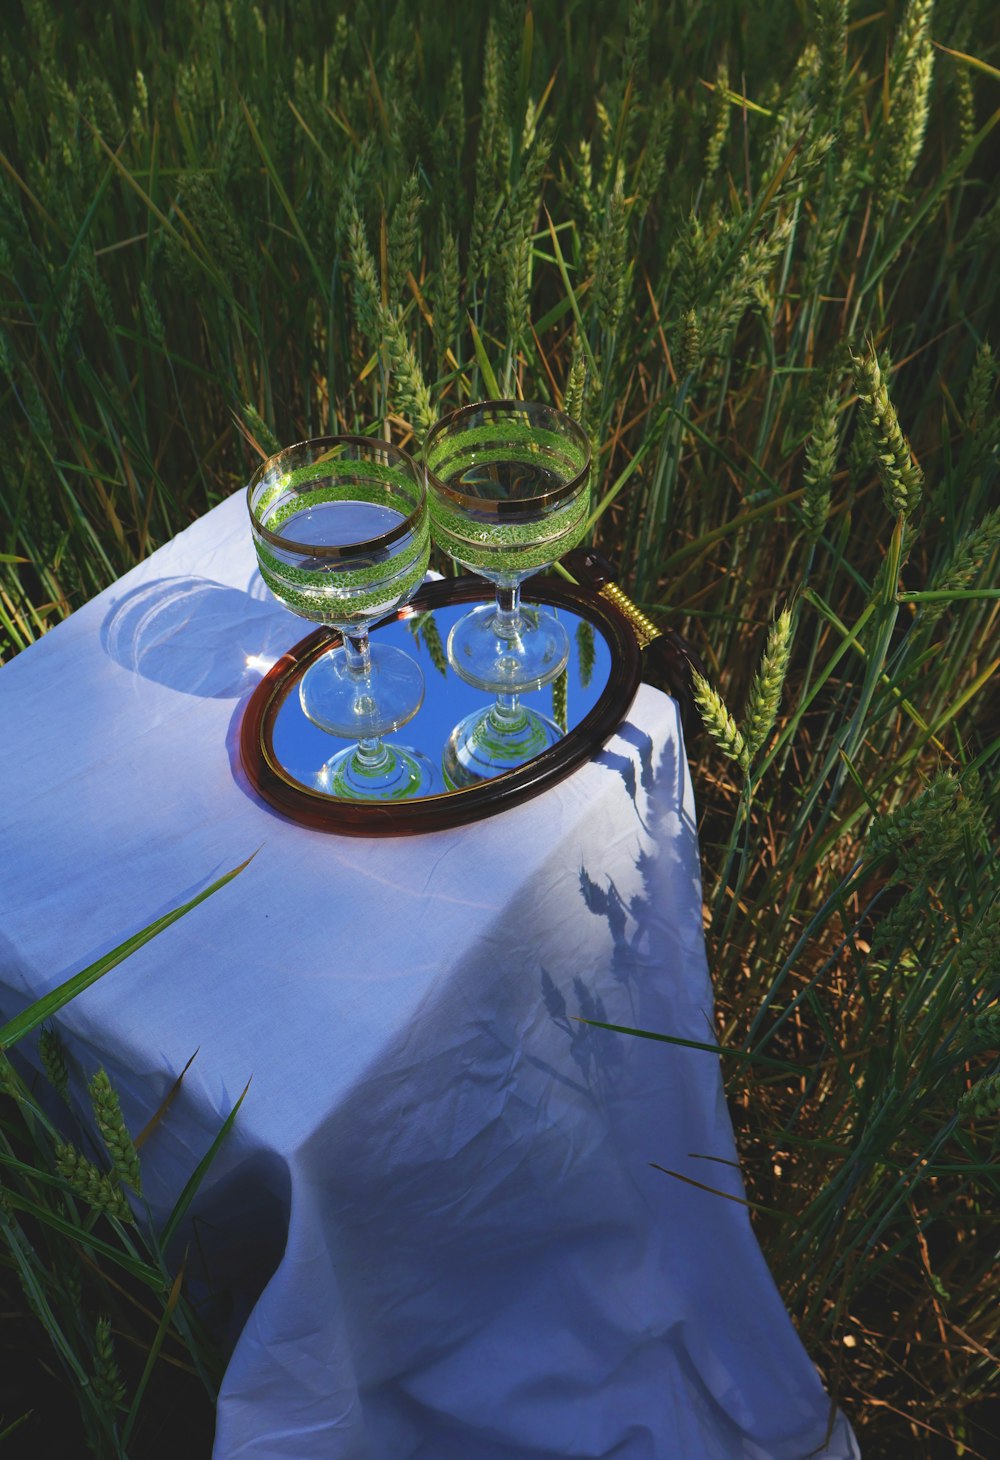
(508,440)
(329,599)
(518,547)
(381,565)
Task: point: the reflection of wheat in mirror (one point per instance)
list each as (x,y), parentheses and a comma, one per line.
(585,651)
(424,629)
(560,686)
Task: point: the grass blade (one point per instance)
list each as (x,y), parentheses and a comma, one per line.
(50,1003)
(194,1181)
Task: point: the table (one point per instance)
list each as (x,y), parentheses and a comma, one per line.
(437,1212)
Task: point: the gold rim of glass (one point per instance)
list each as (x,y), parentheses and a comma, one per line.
(502,409)
(371,445)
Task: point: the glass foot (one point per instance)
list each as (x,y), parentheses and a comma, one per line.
(530,655)
(491,741)
(394,774)
(356,706)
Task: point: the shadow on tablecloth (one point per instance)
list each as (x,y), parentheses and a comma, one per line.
(198,636)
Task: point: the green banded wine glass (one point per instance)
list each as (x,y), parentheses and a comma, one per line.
(341,529)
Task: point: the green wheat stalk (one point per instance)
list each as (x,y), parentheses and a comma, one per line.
(901,478)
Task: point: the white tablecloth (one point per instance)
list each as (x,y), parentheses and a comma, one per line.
(437,1215)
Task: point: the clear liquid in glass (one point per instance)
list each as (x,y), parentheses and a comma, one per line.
(507,481)
(352,589)
(335,524)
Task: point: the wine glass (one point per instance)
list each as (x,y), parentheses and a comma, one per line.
(341,529)
(509,489)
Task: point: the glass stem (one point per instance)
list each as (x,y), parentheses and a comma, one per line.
(371,754)
(506,713)
(507,621)
(358,654)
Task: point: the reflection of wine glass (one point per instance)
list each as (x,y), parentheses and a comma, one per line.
(341,531)
(509,485)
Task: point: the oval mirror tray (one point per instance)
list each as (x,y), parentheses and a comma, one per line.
(284,755)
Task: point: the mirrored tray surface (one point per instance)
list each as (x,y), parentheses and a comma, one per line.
(284,754)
